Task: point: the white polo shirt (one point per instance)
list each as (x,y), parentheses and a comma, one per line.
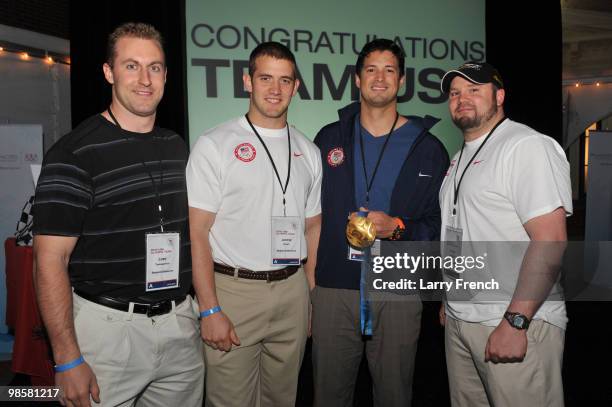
(519,174)
(230,174)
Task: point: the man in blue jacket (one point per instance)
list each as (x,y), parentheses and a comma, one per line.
(391,166)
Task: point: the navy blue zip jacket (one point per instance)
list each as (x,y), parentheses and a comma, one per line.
(414,198)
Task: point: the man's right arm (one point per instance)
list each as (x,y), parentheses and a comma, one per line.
(54,293)
(217,330)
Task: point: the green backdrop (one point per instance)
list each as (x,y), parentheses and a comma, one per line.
(326,36)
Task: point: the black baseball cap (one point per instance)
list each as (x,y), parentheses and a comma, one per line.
(475,72)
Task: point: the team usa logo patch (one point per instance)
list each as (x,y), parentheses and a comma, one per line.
(335,157)
(245,152)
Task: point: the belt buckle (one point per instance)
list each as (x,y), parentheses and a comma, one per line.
(159,308)
(268,277)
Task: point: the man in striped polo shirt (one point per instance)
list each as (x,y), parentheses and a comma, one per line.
(111,244)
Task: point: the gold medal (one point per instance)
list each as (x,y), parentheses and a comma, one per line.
(360,231)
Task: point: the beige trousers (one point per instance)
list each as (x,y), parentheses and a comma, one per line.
(536,381)
(271,321)
(139,360)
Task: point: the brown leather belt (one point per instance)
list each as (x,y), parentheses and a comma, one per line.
(271,275)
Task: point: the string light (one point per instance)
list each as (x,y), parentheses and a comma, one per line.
(599,82)
(26,53)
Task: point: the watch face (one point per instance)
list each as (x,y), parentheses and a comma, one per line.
(519,321)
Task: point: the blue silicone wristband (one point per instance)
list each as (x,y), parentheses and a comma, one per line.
(69,365)
(209,312)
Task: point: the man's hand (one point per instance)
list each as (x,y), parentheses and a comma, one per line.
(506,344)
(385,225)
(218,332)
(54,294)
(442,315)
(78,383)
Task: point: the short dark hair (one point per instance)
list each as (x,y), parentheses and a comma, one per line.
(381,44)
(134,30)
(272,49)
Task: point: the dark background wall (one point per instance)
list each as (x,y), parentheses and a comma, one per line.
(524,42)
(43,16)
(90,24)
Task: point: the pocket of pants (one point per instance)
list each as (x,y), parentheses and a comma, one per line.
(103,337)
(187,319)
(535,333)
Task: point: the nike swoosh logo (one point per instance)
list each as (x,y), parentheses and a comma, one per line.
(423,175)
(297,154)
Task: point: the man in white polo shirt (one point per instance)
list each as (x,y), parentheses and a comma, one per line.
(508,183)
(254,186)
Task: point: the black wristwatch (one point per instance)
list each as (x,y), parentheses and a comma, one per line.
(517,320)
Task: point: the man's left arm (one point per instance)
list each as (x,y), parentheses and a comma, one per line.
(313,217)
(537,275)
(313,225)
(312,233)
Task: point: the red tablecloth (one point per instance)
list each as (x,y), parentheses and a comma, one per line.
(31,351)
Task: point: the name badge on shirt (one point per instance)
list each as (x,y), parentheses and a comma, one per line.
(357,255)
(354,254)
(286,240)
(451,246)
(162,259)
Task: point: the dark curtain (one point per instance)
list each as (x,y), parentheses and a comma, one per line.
(524,43)
(90,24)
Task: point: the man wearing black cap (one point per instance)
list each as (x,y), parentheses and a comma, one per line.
(507,183)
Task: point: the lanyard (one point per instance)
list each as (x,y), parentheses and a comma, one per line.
(457,186)
(161,172)
(284,189)
(382,152)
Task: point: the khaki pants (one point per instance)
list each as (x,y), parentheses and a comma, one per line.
(271,321)
(536,381)
(338,346)
(139,360)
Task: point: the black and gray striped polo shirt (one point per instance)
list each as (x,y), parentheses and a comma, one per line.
(96,185)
